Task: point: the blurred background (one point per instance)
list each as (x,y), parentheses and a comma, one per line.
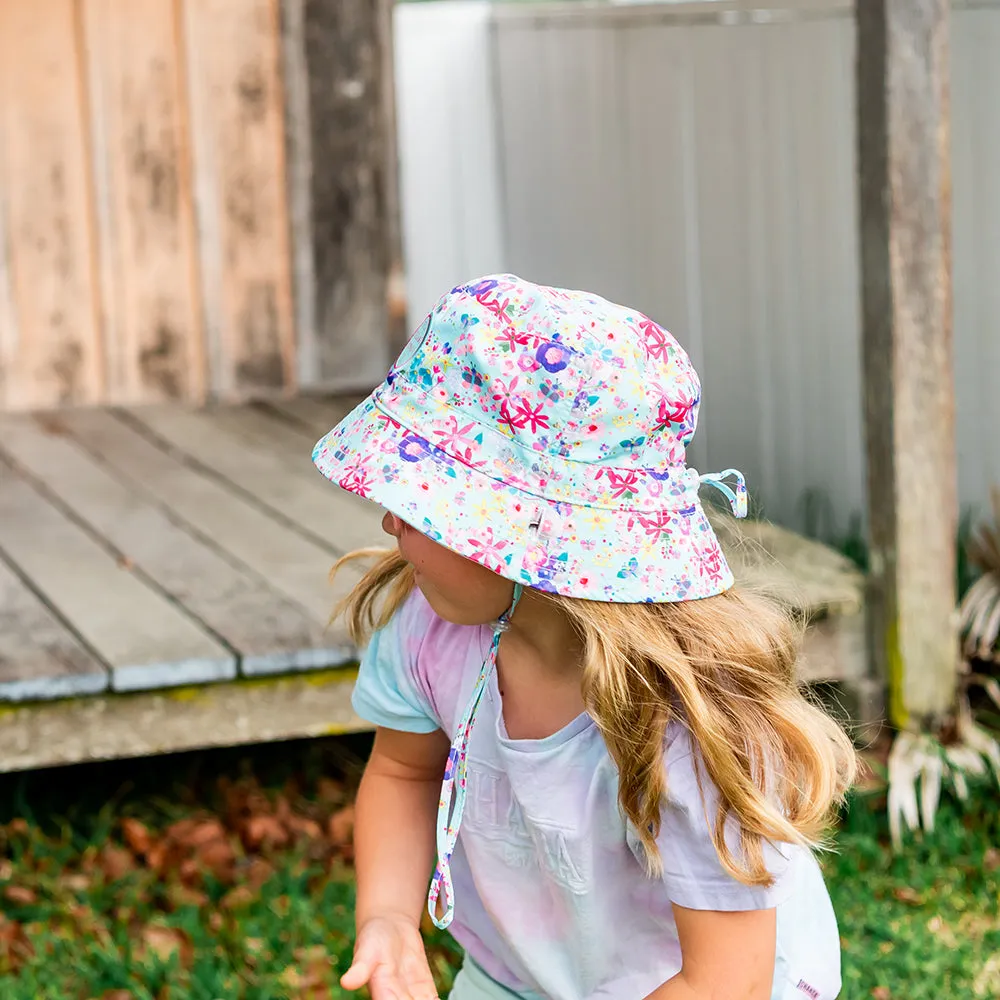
(219,220)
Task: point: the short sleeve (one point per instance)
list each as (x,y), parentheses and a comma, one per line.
(388,692)
(692,873)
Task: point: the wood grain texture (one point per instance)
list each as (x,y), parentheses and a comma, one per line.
(145,640)
(269,632)
(338,56)
(271,462)
(294,566)
(144,206)
(904,134)
(236,106)
(40,658)
(50,352)
(315,414)
(133,725)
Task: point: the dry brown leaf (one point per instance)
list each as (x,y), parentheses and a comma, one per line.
(238,897)
(6,869)
(304,827)
(304,983)
(18,826)
(218,857)
(20,895)
(115,862)
(179,895)
(907,895)
(265,831)
(159,857)
(165,942)
(258,872)
(15,946)
(991,859)
(179,831)
(206,832)
(136,835)
(881,993)
(117,995)
(341,826)
(75,882)
(216,921)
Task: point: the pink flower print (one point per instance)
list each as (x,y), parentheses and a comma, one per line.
(534,557)
(683,523)
(510,340)
(623,485)
(503,391)
(385,418)
(413,448)
(552,357)
(454,437)
(527,363)
(488,551)
(494,305)
(534,417)
(711,562)
(676,412)
(356,481)
(655,340)
(659,524)
(511,421)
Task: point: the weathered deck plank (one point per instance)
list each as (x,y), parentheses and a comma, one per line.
(270,461)
(145,639)
(315,414)
(267,630)
(40,658)
(216,715)
(294,566)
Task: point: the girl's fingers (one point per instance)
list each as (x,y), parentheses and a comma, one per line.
(358,974)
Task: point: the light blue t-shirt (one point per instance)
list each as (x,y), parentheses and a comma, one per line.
(551,895)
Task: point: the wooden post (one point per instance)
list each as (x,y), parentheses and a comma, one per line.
(905,202)
(338,77)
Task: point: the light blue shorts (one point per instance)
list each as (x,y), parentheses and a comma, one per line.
(473,983)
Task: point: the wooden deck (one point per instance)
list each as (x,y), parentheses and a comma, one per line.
(157,548)
(148,554)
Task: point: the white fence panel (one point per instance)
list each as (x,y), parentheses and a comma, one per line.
(698,160)
(449,183)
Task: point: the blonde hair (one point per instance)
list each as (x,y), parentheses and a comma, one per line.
(725,668)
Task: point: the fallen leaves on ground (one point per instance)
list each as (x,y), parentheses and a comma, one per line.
(147,875)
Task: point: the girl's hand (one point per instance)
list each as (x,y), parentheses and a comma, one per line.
(389,957)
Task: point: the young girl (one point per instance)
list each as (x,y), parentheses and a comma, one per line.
(632,783)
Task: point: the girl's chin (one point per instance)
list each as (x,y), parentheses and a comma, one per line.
(447,610)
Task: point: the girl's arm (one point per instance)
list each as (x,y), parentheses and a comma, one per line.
(394,853)
(726,956)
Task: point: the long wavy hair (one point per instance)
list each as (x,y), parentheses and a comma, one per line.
(725,668)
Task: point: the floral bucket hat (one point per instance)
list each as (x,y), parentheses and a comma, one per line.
(541,433)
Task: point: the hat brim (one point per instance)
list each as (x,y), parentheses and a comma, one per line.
(592,553)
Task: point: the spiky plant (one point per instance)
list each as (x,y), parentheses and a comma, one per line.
(980,608)
(919,764)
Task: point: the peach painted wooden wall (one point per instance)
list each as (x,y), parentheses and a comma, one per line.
(158,202)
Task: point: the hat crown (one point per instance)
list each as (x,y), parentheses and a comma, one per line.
(560,373)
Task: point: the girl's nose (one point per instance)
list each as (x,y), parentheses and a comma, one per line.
(391,525)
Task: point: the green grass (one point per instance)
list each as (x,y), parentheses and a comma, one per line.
(925,923)
(275,921)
